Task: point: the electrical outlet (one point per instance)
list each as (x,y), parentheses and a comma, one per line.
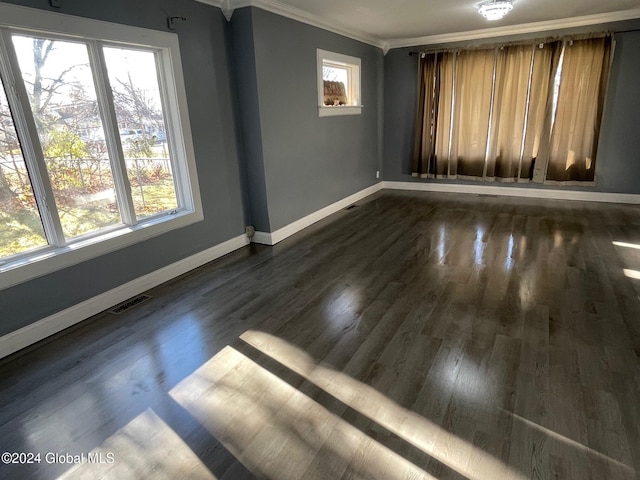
(377,173)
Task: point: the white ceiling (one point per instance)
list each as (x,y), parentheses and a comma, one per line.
(392,23)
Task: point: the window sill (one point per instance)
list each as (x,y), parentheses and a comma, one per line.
(50,259)
(337,111)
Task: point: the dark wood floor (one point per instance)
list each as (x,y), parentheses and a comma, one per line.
(414,336)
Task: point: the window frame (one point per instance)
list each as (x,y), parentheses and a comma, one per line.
(353,65)
(96,34)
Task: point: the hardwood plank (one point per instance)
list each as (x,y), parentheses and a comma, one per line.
(419,335)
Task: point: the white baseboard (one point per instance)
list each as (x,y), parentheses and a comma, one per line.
(515,192)
(263,238)
(19,339)
(272,238)
(57,322)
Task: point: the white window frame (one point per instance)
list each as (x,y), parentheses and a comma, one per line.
(17,19)
(353,66)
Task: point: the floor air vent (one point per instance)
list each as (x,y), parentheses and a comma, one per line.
(129,304)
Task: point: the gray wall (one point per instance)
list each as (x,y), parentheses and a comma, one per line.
(248,112)
(617,167)
(251,88)
(304,162)
(209,93)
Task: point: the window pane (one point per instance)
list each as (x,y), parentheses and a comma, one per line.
(136,94)
(20,225)
(336,85)
(58,78)
(334,74)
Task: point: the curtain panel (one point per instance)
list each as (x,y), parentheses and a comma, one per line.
(580,103)
(473,85)
(512,113)
(424,146)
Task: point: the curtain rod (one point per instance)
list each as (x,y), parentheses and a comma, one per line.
(627,31)
(531,41)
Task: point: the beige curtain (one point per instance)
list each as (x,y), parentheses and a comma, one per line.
(508,116)
(539,116)
(423,150)
(472,105)
(440,165)
(498,114)
(574,141)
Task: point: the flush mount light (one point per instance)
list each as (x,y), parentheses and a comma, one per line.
(495,9)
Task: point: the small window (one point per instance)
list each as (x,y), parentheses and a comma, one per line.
(338,84)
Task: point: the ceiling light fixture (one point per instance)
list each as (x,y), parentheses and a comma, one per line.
(495,9)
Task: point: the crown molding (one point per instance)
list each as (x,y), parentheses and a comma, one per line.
(302,16)
(215,3)
(274,6)
(548,25)
(224,5)
(279,8)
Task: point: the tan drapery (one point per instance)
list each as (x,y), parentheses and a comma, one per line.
(545,64)
(424,146)
(497,114)
(440,166)
(473,85)
(513,65)
(580,103)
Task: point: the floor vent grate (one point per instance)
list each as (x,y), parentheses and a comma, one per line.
(128,304)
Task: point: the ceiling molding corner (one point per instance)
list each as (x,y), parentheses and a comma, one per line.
(214,3)
(227,9)
(302,16)
(224,5)
(599,18)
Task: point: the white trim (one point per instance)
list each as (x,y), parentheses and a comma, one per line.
(50,260)
(166,45)
(279,8)
(14,341)
(302,16)
(19,339)
(339,111)
(272,238)
(263,238)
(213,3)
(547,25)
(274,6)
(34,19)
(584,196)
(353,67)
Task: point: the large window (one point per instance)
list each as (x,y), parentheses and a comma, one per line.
(513,112)
(95,149)
(338,84)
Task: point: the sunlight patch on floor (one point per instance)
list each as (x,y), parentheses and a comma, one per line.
(412,428)
(277,431)
(617,468)
(627,245)
(635,274)
(145,448)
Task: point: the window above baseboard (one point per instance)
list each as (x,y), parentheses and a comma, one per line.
(95,141)
(338,84)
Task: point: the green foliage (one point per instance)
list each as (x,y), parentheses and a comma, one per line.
(21,230)
(139,148)
(64,144)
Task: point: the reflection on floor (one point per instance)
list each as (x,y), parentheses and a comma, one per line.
(417,336)
(276,430)
(145,448)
